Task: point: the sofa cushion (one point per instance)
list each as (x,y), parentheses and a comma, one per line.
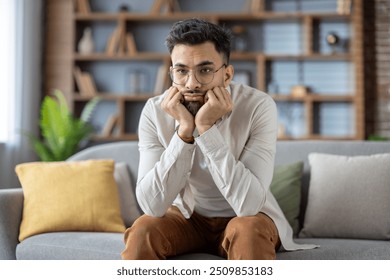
(108,246)
(82,246)
(72,246)
(129,206)
(348,197)
(339,249)
(69,196)
(286,187)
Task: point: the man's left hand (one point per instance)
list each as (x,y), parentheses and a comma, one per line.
(218,103)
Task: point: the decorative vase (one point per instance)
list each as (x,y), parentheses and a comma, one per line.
(86,44)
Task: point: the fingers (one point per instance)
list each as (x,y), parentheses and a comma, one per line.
(220,95)
(172,98)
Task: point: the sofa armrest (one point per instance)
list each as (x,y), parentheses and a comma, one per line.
(11,206)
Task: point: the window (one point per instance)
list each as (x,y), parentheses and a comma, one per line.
(7,67)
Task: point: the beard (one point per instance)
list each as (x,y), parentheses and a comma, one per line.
(192,106)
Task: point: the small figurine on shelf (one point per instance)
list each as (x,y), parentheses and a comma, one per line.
(86,44)
(124,8)
(299,91)
(333,40)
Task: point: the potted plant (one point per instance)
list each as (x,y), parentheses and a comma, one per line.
(62,132)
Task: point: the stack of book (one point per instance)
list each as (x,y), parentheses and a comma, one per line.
(85,83)
(165,6)
(162,80)
(121,42)
(110,125)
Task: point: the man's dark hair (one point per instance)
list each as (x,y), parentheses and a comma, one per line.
(198,31)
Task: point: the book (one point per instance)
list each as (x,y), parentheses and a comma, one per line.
(85,83)
(82,87)
(83,6)
(90,84)
(112,42)
(256,6)
(156,7)
(110,125)
(165,6)
(117,41)
(162,79)
(130,44)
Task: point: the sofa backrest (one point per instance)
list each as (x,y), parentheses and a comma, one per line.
(123,151)
(286,152)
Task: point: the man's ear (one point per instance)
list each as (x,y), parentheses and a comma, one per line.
(229,72)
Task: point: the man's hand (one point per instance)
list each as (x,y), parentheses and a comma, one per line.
(218,103)
(172,104)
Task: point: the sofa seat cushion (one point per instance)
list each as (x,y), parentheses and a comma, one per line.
(340,249)
(82,246)
(71,246)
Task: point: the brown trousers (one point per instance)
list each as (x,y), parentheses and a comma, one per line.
(245,238)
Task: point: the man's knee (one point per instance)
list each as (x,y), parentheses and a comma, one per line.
(251,225)
(143,227)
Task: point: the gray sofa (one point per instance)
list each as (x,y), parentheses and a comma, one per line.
(98,245)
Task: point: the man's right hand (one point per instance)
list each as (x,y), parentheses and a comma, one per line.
(172,105)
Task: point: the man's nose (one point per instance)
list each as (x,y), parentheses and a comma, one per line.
(192,82)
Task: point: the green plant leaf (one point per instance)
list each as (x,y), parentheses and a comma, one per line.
(88,109)
(62,133)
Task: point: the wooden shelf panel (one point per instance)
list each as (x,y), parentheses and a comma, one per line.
(314,98)
(312,56)
(114,97)
(242,16)
(234,56)
(118,57)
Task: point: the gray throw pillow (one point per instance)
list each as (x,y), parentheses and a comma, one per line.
(349,197)
(128,202)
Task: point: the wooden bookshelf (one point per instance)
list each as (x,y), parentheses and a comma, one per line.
(59,65)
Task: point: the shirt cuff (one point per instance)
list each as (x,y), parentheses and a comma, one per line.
(178,148)
(210,140)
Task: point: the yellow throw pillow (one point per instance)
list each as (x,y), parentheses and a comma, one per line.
(69,196)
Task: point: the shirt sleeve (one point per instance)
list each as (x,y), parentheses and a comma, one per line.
(163,171)
(244,182)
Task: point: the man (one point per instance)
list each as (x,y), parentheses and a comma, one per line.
(207,149)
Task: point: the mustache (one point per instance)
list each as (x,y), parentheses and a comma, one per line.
(193,92)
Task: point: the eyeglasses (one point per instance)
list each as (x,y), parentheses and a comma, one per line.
(203,74)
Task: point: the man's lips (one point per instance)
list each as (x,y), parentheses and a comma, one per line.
(194,96)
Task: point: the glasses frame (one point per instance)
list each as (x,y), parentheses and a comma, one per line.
(188,76)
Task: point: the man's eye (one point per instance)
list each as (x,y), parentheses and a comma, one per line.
(181,71)
(205,70)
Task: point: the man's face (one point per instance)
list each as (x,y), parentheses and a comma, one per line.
(194,58)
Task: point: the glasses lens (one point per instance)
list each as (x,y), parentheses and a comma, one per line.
(204,75)
(179,76)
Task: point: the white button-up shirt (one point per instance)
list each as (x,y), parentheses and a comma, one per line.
(226,172)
